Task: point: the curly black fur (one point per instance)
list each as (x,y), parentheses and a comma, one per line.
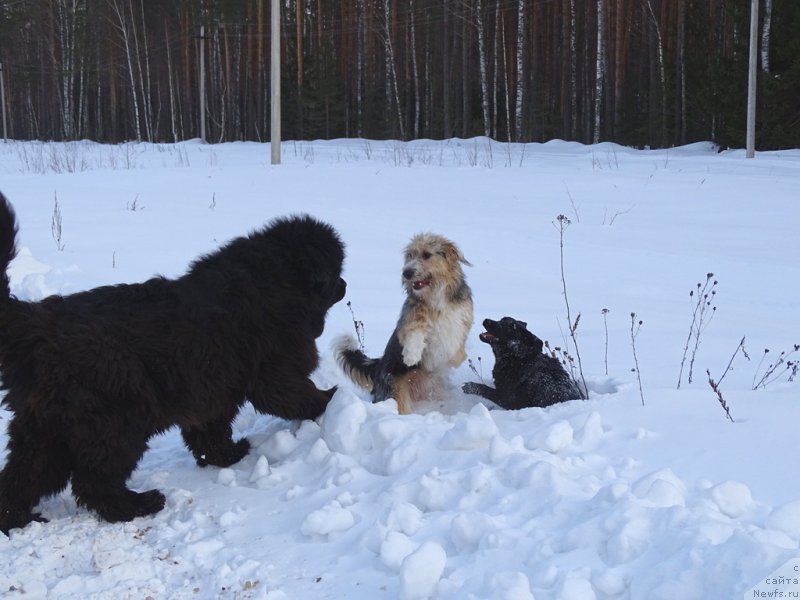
(523,376)
(92,376)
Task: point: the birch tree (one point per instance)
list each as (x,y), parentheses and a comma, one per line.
(122,26)
(662,76)
(414,68)
(600,71)
(573,70)
(680,105)
(447,121)
(496,68)
(520,91)
(144,72)
(67,16)
(392,89)
(360,60)
(482,61)
(765,35)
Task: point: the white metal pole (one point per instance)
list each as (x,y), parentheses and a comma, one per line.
(275,84)
(751,81)
(3,102)
(203,83)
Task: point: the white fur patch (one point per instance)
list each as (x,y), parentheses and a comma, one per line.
(343,342)
(446,336)
(413,347)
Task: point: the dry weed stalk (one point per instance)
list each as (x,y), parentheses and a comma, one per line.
(715,386)
(359,327)
(772,373)
(635,327)
(700,319)
(563,223)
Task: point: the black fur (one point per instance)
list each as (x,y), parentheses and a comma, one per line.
(523,376)
(92,376)
(380,372)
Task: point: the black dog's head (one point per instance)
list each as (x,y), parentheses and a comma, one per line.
(510,338)
(314,256)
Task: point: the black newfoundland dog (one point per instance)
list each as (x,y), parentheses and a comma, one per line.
(90,377)
(523,375)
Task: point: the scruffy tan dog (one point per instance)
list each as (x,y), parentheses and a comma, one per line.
(430,334)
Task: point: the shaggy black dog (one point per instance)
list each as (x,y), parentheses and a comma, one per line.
(523,376)
(92,376)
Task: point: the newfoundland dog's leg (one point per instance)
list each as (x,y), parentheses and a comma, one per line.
(212,444)
(98,481)
(115,502)
(38,466)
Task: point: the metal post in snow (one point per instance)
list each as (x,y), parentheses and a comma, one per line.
(275,84)
(203,83)
(3,102)
(751,81)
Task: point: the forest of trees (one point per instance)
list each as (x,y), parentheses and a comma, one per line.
(638,72)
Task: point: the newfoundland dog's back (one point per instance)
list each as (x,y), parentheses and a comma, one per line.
(237,315)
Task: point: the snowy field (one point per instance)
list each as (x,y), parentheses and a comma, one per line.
(651,494)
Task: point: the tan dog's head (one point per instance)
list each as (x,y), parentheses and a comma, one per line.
(432,265)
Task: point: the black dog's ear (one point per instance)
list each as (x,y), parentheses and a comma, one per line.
(512,322)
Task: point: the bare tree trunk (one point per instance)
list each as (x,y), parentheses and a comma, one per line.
(219,83)
(262,106)
(391,71)
(484,69)
(599,71)
(765,35)
(171,84)
(681,100)
(620,54)
(66,16)
(299,17)
(428,110)
(122,26)
(144,88)
(573,70)
(147,92)
(520,92)
(496,67)
(507,94)
(465,91)
(447,120)
(414,68)
(661,72)
(360,58)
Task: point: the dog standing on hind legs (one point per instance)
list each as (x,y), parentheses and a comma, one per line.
(430,334)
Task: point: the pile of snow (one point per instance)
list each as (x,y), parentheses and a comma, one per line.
(625,495)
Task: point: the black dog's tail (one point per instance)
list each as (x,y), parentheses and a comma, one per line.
(357,366)
(8,244)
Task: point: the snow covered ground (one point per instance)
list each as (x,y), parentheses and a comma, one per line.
(628,495)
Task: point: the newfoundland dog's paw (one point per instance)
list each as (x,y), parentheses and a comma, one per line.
(126,507)
(224,455)
(17,519)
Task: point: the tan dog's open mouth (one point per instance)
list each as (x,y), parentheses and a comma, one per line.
(421,283)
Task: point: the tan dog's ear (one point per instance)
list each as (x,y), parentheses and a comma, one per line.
(454,256)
